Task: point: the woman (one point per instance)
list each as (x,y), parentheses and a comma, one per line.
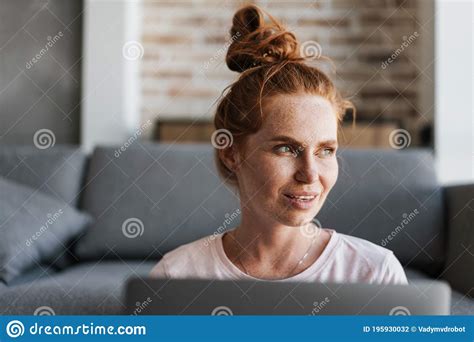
(283,116)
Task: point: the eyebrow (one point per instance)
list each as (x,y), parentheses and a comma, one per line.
(294,141)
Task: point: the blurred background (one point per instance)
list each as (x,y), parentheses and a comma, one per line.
(100,72)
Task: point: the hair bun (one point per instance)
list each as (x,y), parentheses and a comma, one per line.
(255,42)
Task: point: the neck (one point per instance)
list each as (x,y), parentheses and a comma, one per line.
(270,243)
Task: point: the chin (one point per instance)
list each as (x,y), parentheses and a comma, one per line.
(294,219)
(289,216)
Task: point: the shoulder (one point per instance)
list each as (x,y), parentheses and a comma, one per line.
(185,259)
(380,262)
(362,248)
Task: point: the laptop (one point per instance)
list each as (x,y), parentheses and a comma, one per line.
(152,296)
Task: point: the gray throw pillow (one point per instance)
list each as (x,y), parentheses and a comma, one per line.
(34,227)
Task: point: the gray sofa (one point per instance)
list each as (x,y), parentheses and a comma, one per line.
(174,195)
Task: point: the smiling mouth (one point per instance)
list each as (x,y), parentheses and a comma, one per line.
(301,198)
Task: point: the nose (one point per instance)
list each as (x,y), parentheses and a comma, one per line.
(307,168)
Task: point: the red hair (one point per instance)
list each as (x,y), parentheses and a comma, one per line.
(270,62)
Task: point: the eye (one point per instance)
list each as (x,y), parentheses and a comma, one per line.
(286,149)
(328,151)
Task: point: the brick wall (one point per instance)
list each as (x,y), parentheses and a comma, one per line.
(375,45)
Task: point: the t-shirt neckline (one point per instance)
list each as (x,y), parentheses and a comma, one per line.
(315,267)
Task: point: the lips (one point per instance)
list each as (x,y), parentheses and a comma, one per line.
(302,195)
(301,198)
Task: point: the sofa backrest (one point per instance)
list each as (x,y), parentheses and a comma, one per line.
(151,198)
(393,199)
(171,193)
(57,171)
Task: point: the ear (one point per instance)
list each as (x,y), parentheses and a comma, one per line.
(230,157)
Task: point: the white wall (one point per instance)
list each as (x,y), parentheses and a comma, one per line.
(454,117)
(110,111)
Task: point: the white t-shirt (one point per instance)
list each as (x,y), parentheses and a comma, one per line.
(345,259)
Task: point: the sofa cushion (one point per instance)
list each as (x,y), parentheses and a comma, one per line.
(33,274)
(34,227)
(93,288)
(57,171)
(149,200)
(461,304)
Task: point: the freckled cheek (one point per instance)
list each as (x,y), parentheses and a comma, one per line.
(271,174)
(328,175)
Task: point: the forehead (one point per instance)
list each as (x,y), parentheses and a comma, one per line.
(305,117)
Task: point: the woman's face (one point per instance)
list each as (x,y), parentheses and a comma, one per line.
(292,155)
